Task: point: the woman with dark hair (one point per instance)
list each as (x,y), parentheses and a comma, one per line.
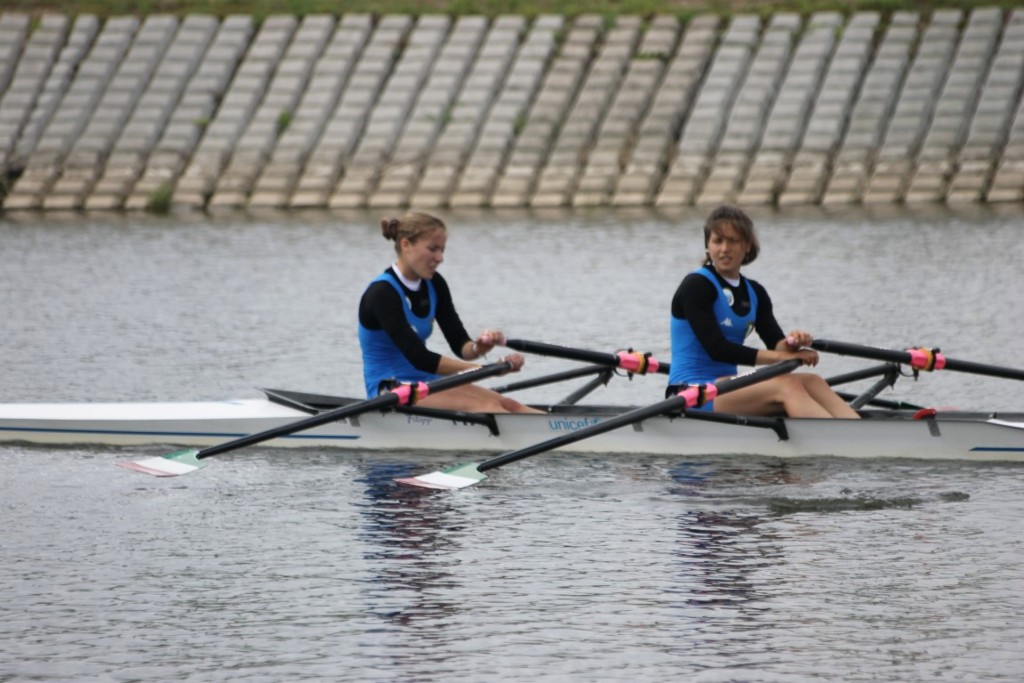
(716,308)
(397,313)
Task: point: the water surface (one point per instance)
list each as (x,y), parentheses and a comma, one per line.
(312,565)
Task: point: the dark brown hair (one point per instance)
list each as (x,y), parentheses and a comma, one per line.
(740,221)
(411,226)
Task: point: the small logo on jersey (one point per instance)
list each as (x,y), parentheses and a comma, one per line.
(726,322)
(730,298)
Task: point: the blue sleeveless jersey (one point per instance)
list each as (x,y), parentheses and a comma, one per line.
(691,364)
(381,358)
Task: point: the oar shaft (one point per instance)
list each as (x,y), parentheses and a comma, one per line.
(385,400)
(846,349)
(983,369)
(906,357)
(552,378)
(626,360)
(388,399)
(669,405)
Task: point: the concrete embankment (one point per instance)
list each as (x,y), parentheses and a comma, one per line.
(433,111)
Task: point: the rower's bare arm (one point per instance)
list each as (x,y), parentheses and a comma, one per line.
(767,357)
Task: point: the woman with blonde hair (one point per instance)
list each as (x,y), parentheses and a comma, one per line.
(397,313)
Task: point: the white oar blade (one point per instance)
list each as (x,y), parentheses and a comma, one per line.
(457,477)
(170,465)
(1005,423)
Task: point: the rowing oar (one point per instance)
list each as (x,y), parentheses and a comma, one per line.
(919,359)
(190,460)
(630,361)
(467,474)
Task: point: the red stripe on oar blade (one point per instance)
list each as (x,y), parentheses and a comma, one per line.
(140,467)
(457,477)
(172,465)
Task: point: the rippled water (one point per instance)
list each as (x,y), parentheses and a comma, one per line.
(311,565)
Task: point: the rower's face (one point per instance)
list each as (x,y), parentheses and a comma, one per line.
(425,255)
(727,249)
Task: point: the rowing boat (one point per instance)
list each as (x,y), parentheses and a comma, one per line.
(394,421)
(886,432)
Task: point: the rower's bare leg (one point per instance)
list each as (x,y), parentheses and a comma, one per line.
(475,399)
(514,406)
(787,395)
(823,394)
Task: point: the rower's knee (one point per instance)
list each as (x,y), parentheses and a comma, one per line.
(813,379)
(791,387)
(510,405)
(803,381)
(498,404)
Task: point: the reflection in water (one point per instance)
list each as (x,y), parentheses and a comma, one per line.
(721,548)
(742,484)
(725,544)
(726,539)
(408,554)
(743,473)
(790,506)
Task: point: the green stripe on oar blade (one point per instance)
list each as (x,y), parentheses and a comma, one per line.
(455,477)
(170,465)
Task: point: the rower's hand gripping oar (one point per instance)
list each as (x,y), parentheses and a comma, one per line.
(630,361)
(461,476)
(919,359)
(190,460)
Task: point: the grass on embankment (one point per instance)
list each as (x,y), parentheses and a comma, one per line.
(684,9)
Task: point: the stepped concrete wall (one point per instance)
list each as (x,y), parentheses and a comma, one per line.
(394,111)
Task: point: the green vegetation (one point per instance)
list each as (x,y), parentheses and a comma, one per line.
(681,8)
(284,118)
(520,123)
(159,201)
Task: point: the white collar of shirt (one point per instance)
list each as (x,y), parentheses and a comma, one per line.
(414,285)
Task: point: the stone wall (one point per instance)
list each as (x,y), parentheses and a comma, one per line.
(432,111)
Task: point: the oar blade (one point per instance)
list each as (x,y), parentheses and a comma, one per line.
(450,479)
(170,465)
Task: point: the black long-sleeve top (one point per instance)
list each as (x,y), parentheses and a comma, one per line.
(380,308)
(694,301)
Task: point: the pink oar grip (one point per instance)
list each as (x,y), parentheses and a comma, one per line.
(637,363)
(925,359)
(411,393)
(699,395)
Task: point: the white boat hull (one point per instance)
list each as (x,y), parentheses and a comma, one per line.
(957,436)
